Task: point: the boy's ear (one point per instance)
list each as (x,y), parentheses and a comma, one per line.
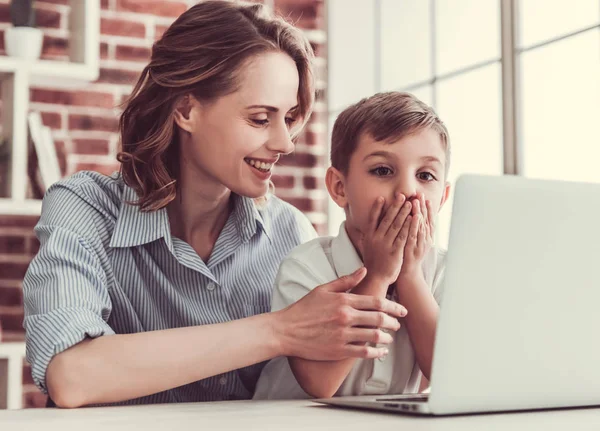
(183,112)
(334,180)
(446,194)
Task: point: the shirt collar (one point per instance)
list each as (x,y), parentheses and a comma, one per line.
(345,257)
(248,218)
(135,227)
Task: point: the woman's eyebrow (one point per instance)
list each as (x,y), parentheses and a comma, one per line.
(269,108)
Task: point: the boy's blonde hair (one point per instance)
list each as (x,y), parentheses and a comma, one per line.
(388,117)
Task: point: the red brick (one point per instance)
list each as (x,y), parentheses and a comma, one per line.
(14,336)
(91,146)
(12,318)
(76,98)
(303,204)
(18,221)
(153,7)
(117,76)
(312,183)
(34,399)
(27,377)
(312,138)
(103,169)
(302,13)
(122,27)
(11,296)
(159,31)
(33,244)
(13,271)
(12,244)
(4,13)
(133,53)
(47,18)
(54,1)
(105,4)
(283,181)
(304,160)
(52,120)
(54,47)
(88,122)
(103,50)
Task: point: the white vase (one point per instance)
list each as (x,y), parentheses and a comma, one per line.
(23,42)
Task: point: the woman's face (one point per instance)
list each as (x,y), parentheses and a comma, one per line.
(235,140)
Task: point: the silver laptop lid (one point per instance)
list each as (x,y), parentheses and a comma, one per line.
(519,320)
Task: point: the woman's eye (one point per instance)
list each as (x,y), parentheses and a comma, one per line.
(290,121)
(382,171)
(260,122)
(426,176)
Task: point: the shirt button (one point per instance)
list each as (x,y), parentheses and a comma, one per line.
(223,380)
(211,286)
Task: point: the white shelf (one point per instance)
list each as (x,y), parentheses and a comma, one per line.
(11,375)
(25,207)
(17,75)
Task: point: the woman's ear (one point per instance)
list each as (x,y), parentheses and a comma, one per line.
(183,112)
(336,187)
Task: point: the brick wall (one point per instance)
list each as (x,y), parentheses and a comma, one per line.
(84,124)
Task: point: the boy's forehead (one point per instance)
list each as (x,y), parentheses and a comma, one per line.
(422,143)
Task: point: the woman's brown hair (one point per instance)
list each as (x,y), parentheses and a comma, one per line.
(201,54)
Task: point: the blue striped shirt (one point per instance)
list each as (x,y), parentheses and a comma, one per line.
(104,267)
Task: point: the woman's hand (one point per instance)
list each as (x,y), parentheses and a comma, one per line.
(331,324)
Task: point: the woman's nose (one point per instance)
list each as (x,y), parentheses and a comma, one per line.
(281,142)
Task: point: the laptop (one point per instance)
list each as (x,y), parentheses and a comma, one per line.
(519,323)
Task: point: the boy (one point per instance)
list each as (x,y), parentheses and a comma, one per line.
(389,164)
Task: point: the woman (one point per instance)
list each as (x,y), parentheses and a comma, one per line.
(153,285)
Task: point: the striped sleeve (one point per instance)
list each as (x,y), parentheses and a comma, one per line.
(65,296)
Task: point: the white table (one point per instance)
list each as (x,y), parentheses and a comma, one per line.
(281,415)
(11,375)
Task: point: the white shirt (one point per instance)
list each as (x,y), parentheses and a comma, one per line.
(320,261)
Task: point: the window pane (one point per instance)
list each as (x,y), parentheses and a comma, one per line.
(351,54)
(425,94)
(470,106)
(468,32)
(405,43)
(541,20)
(561,109)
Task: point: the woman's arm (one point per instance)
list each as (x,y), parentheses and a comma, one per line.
(116,368)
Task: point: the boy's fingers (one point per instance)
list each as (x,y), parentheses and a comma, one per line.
(424,208)
(391,213)
(402,236)
(399,221)
(375,213)
(430,215)
(414,230)
(347,282)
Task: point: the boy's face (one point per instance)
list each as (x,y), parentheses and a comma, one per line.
(413,165)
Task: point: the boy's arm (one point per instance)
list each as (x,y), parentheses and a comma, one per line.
(322,379)
(414,293)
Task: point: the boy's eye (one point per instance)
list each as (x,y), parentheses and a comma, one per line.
(381,171)
(426,176)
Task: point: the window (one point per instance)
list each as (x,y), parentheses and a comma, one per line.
(517,82)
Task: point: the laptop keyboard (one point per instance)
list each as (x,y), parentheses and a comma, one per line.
(419,399)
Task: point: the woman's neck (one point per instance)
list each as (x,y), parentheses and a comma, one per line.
(198,214)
